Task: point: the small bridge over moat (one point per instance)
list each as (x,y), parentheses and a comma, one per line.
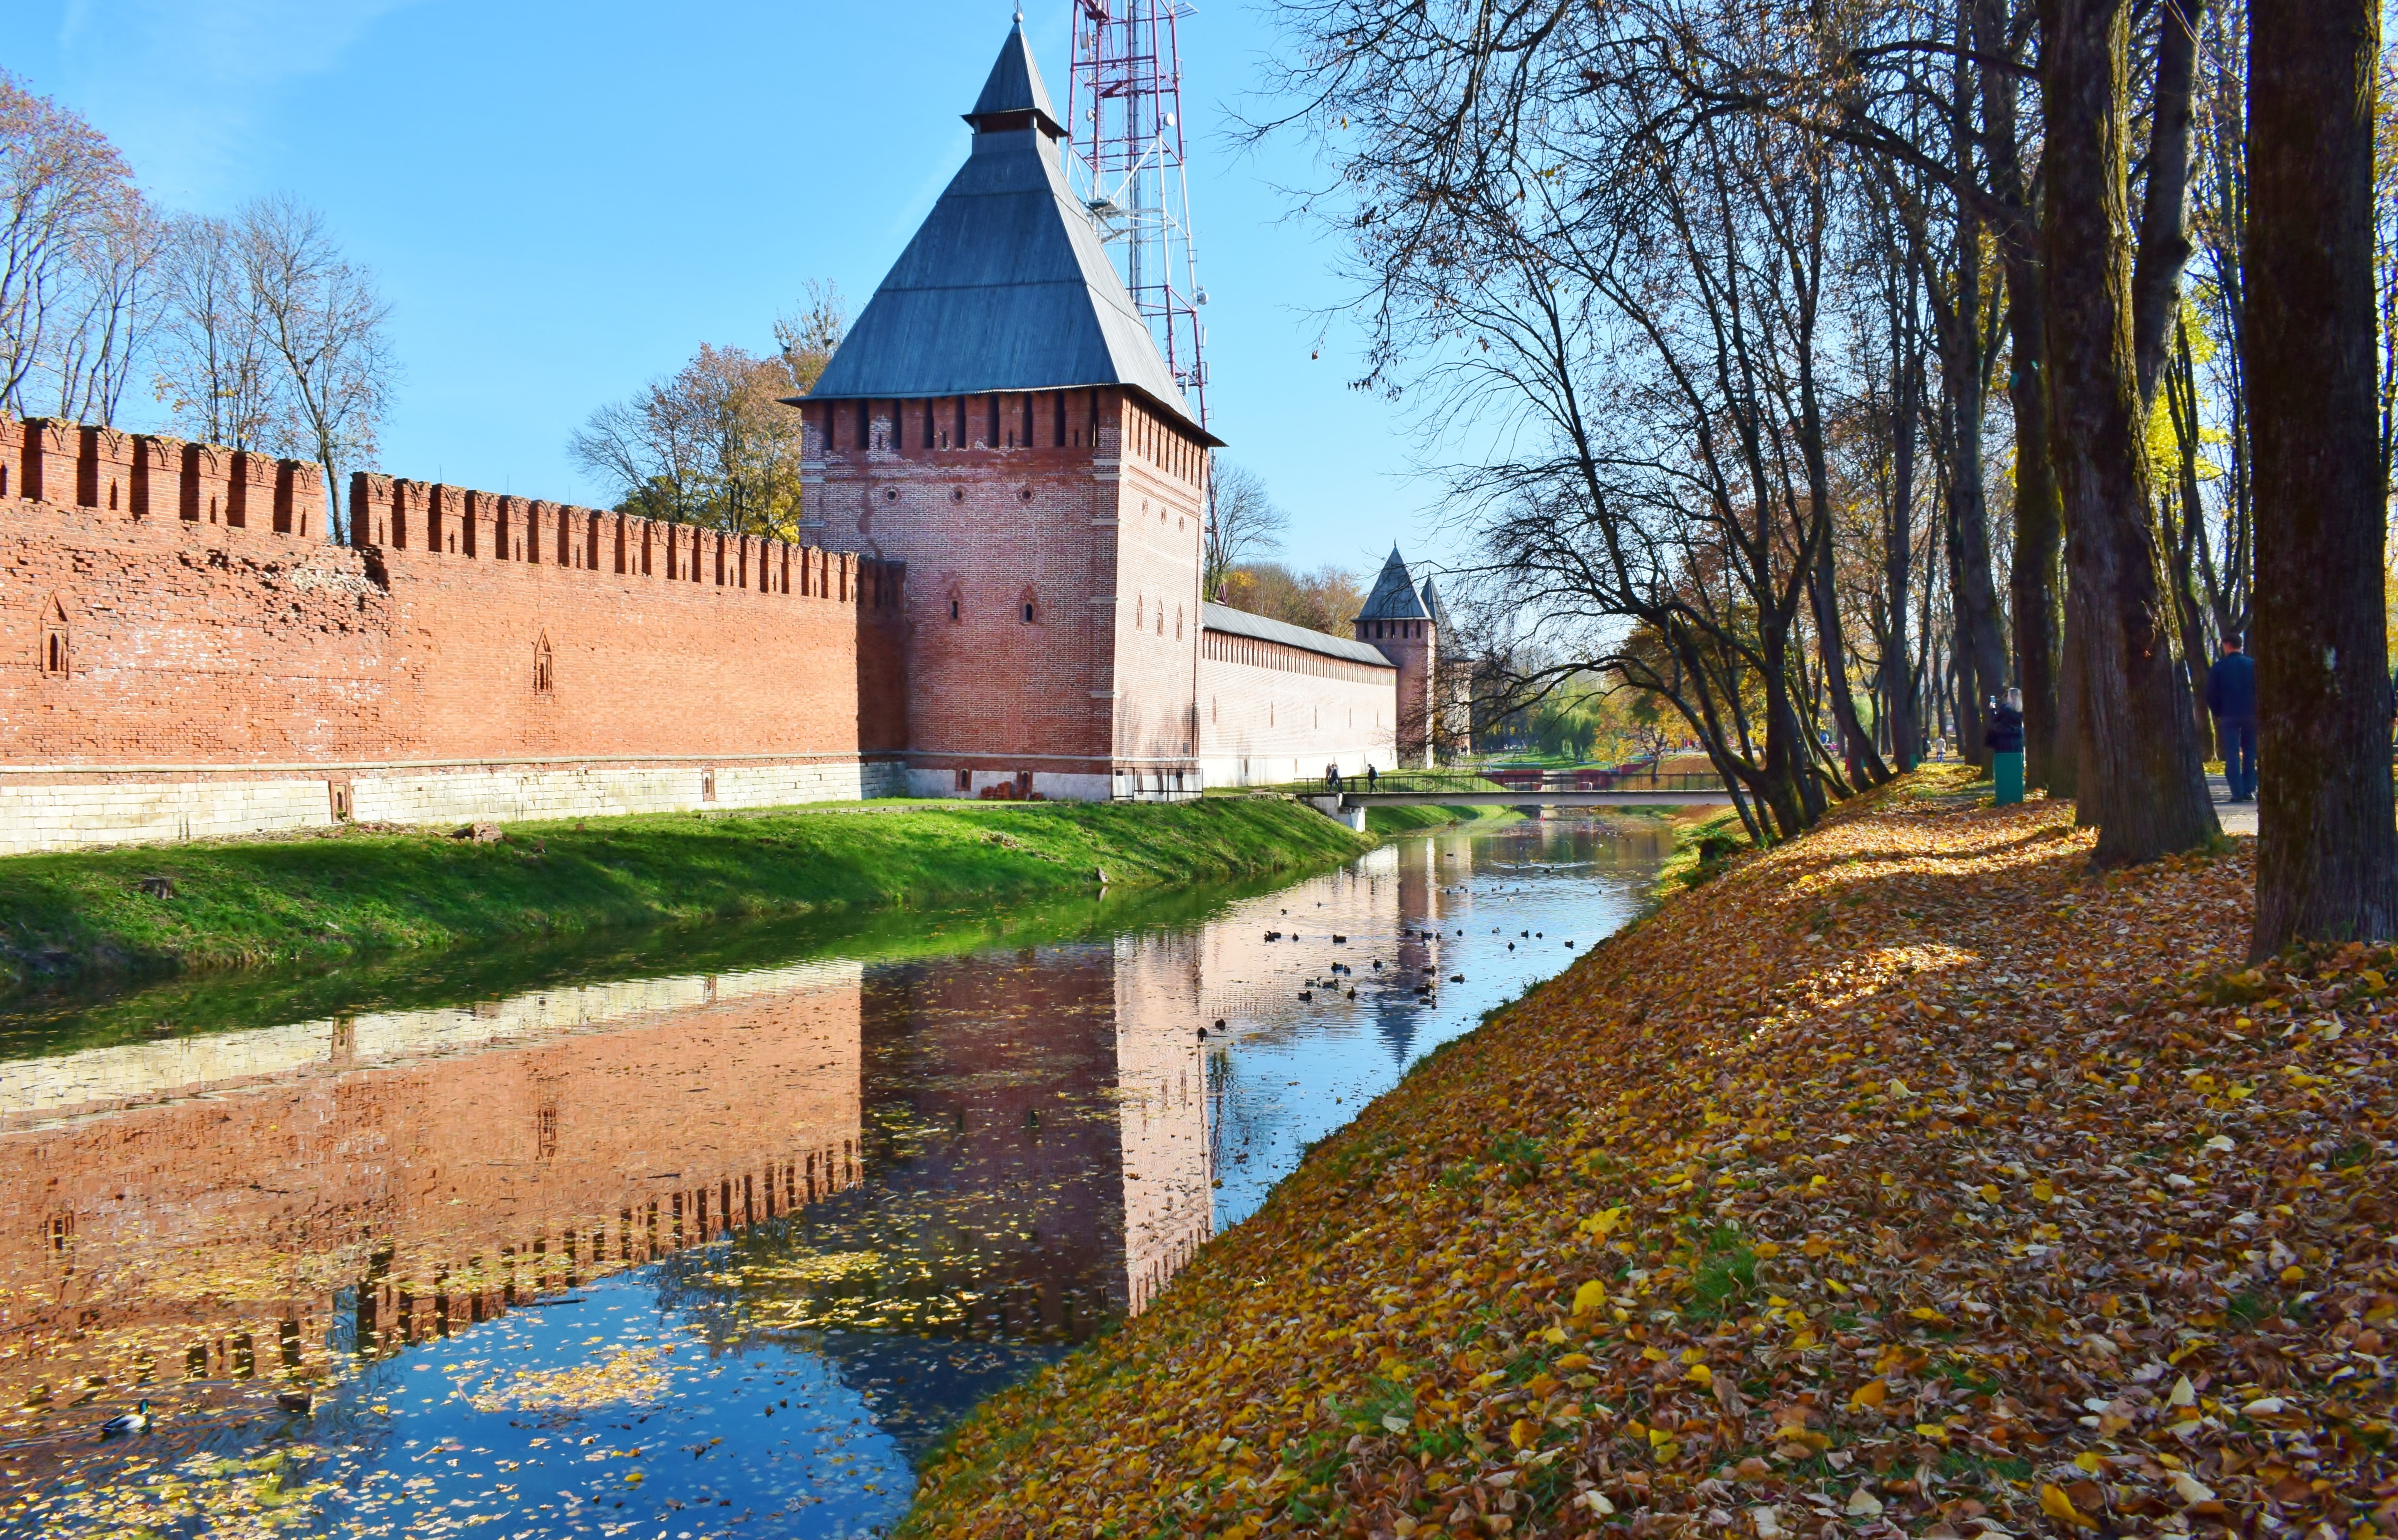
(1529,789)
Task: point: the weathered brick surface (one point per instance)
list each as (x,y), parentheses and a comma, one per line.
(1080,503)
(187,617)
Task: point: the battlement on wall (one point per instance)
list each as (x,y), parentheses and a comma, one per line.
(418,518)
(154,478)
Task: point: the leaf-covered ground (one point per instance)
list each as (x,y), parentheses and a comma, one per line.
(1906,1179)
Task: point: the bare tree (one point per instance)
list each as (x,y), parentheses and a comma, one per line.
(322,318)
(1243,522)
(808,336)
(78,243)
(214,372)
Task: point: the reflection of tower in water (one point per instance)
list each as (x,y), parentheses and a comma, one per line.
(1036,1133)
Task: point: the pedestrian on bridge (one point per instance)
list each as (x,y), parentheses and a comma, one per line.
(2231,696)
(1372,775)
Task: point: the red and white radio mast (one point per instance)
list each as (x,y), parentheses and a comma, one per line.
(1123,107)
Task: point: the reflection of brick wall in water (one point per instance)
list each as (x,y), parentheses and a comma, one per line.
(214,1235)
(1162,1098)
(993,1130)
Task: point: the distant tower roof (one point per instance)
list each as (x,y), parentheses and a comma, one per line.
(1006,286)
(1433,610)
(1394,598)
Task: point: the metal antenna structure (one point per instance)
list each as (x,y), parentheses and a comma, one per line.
(1124,106)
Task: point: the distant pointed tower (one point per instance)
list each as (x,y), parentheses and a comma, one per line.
(1399,625)
(1000,421)
(1451,683)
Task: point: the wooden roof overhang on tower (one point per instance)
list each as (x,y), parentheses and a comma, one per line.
(1005,287)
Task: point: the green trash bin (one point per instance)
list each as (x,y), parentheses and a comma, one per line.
(2006,771)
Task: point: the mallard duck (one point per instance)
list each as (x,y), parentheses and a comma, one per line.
(135,1421)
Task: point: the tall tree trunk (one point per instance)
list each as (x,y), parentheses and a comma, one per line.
(1899,672)
(1981,644)
(2326,848)
(2141,777)
(2164,222)
(2033,577)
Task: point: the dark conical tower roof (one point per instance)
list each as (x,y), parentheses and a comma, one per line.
(1014,86)
(1433,610)
(1004,286)
(1394,598)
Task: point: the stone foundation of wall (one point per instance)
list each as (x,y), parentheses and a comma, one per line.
(58,814)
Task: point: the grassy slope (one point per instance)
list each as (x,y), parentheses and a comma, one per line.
(86,912)
(1390,822)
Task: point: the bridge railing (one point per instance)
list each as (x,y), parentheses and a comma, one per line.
(1530,780)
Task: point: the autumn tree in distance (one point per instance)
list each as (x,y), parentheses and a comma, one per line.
(2326,847)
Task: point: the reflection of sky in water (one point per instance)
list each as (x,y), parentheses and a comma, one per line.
(1042,1138)
(1304,1069)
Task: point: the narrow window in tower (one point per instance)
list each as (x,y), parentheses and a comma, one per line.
(957,602)
(992,407)
(960,440)
(543,679)
(1026,605)
(1178,623)
(1058,404)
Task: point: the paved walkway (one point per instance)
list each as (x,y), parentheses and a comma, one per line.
(2235,817)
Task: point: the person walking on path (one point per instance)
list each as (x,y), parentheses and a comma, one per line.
(2004,739)
(2231,696)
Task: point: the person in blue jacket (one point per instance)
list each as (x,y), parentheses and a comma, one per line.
(2231,696)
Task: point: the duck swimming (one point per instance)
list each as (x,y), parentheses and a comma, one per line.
(135,1421)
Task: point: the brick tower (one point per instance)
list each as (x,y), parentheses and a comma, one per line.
(1000,421)
(1396,622)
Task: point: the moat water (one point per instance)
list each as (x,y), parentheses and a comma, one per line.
(692,1233)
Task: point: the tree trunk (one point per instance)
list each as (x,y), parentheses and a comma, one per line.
(2141,778)
(1981,647)
(2327,849)
(2032,579)
(1898,559)
(2164,224)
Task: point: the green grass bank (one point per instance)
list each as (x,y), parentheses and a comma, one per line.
(88,915)
(1388,823)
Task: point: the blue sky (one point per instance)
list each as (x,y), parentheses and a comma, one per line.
(562,200)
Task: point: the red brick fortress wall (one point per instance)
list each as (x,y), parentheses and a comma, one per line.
(1052,541)
(182,652)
